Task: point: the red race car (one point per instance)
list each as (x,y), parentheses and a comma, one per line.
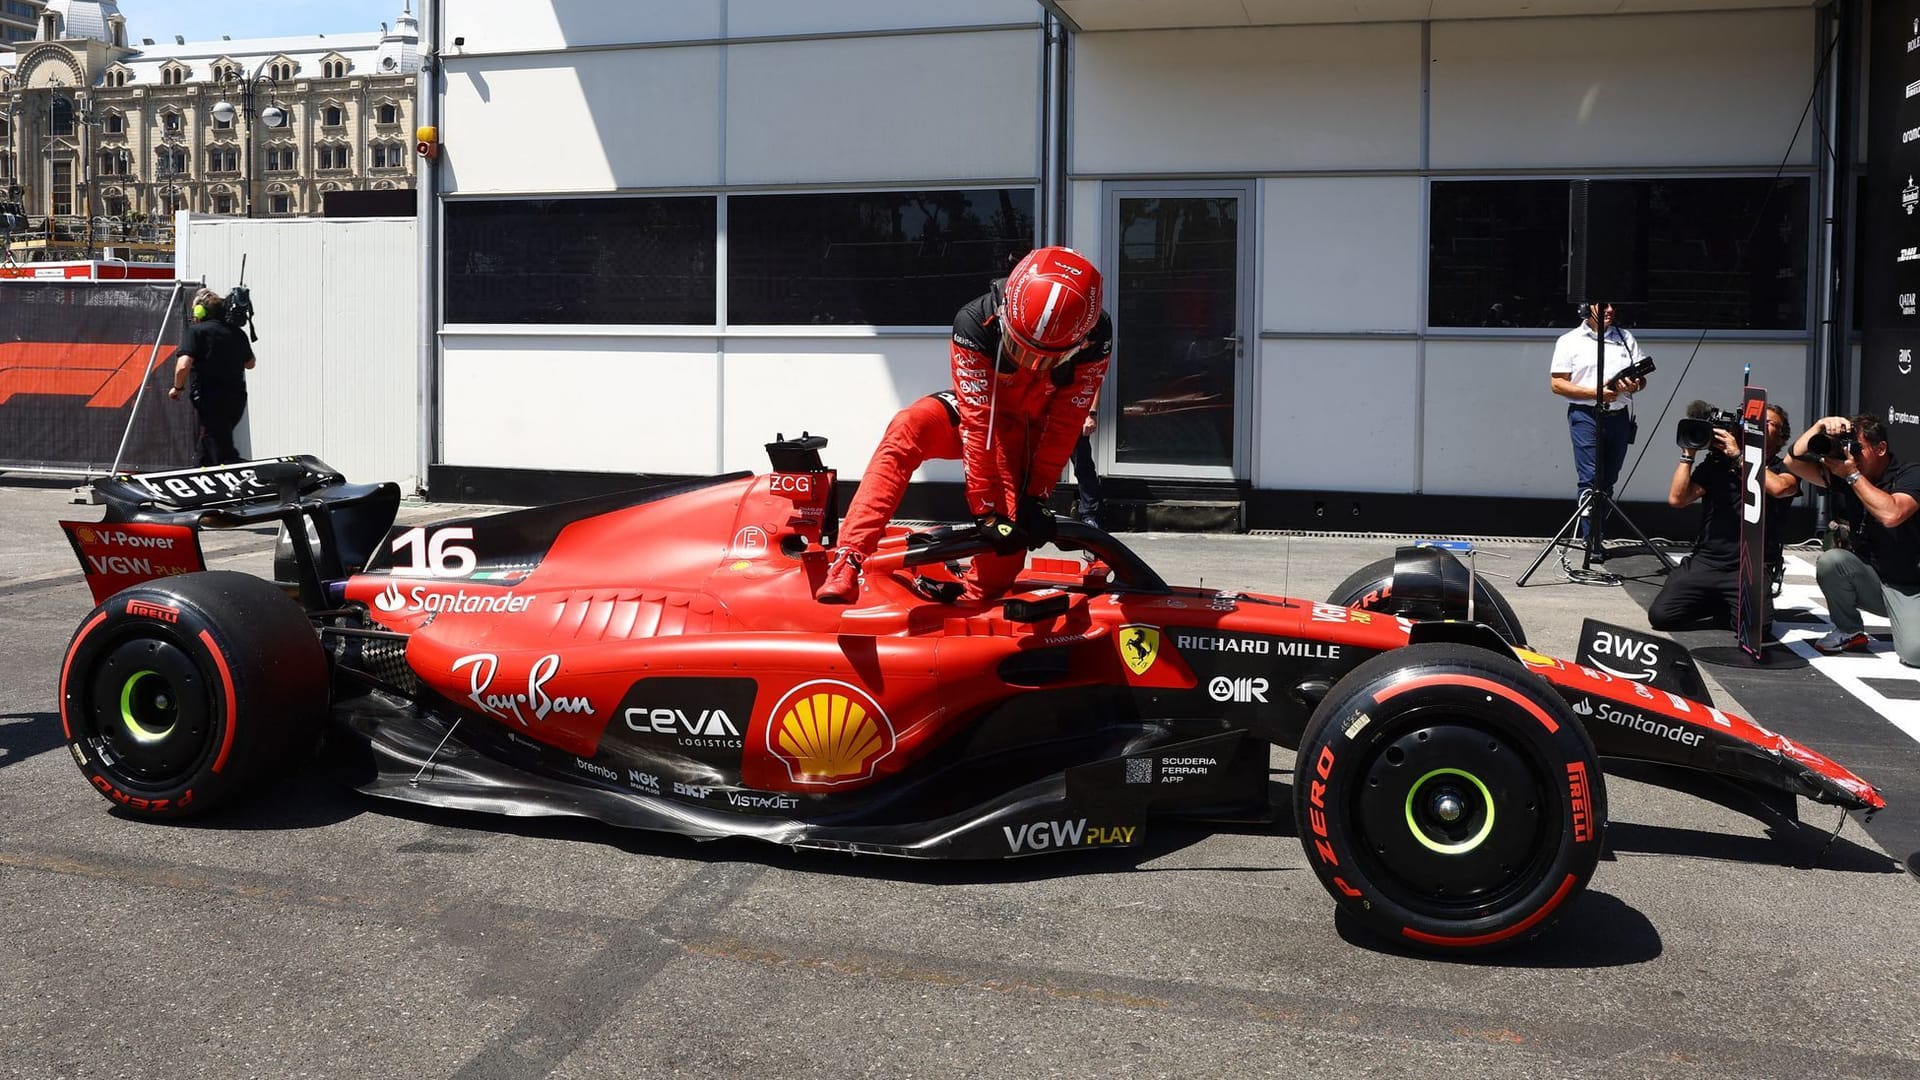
(656,660)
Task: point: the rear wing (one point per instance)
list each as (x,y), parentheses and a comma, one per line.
(164,511)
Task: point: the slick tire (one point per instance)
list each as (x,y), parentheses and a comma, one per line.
(1371,587)
(1448,799)
(181,695)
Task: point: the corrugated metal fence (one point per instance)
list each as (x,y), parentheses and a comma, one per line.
(339,325)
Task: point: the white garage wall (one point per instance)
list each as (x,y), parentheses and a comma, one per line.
(845,388)
(1341,254)
(943,106)
(1337,415)
(1706,89)
(338,323)
(1249,101)
(516,25)
(614,404)
(748,18)
(1493,428)
(587,121)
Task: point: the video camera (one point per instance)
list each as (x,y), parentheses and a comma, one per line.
(1695,430)
(1639,369)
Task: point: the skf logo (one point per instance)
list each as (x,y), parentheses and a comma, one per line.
(1243,690)
(1581,796)
(828,733)
(1139,647)
(153,611)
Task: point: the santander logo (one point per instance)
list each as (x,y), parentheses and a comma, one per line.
(390,599)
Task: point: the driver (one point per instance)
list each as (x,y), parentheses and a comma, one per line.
(1028,358)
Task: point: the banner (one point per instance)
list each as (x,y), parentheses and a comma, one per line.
(73,356)
(1889,295)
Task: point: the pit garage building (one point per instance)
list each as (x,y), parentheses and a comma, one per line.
(1334,231)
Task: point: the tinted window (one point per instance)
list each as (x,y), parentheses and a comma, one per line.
(886,258)
(1721,254)
(632,261)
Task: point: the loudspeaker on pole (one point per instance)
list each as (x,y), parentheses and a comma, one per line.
(1607,241)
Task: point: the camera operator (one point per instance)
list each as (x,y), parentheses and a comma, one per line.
(1882,574)
(1591,408)
(1704,590)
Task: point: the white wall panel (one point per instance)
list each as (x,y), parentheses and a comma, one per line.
(1341,253)
(844,388)
(1707,89)
(1260,100)
(751,18)
(944,106)
(1084,210)
(591,404)
(1336,415)
(589,121)
(510,25)
(339,328)
(1493,428)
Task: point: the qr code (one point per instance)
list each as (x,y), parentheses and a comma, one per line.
(1139,770)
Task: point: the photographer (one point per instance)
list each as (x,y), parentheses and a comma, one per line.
(1703,591)
(1882,573)
(1596,409)
(215,357)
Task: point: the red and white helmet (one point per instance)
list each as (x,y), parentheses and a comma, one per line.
(1051,303)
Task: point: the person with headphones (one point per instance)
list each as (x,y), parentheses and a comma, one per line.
(213,359)
(1027,359)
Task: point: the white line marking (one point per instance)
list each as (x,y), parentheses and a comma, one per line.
(1849,670)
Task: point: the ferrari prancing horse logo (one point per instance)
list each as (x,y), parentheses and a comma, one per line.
(1139,646)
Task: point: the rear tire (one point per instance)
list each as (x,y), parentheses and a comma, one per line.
(1371,587)
(1449,799)
(179,695)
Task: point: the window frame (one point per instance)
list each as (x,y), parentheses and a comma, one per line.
(721,326)
(1809,226)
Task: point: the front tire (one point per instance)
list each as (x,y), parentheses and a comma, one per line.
(1449,799)
(1371,587)
(180,695)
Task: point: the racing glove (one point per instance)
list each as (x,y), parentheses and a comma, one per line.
(1001,533)
(1037,521)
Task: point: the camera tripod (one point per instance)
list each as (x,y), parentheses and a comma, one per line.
(1595,504)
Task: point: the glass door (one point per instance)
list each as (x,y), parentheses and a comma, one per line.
(1177,260)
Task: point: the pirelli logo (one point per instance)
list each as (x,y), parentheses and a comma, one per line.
(1580,793)
(153,611)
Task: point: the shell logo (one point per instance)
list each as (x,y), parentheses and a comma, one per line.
(828,733)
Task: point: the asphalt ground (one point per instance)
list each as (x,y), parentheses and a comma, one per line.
(318,933)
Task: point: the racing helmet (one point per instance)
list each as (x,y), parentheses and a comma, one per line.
(1048,306)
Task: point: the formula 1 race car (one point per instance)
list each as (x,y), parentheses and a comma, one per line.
(656,660)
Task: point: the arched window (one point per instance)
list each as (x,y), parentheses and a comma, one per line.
(113,123)
(170,122)
(116,77)
(387,112)
(334,157)
(281,70)
(332,116)
(173,74)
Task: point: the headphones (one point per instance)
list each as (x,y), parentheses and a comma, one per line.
(199,311)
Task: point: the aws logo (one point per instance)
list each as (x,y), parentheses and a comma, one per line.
(829,733)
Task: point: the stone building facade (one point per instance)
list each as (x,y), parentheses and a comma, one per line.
(95,127)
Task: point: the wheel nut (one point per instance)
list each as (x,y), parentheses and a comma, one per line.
(1449,808)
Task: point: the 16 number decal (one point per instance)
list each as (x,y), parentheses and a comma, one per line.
(434,553)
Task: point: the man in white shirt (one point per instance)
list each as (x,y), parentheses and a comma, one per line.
(1594,410)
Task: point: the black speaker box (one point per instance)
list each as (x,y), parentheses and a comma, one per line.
(1607,241)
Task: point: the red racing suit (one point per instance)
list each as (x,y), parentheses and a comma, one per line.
(926,429)
(1017,426)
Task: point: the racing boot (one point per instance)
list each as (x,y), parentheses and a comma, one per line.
(842,583)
